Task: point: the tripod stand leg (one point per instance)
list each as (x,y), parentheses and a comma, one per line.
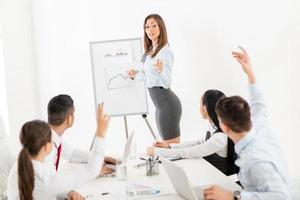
(126,127)
(150,128)
(92,145)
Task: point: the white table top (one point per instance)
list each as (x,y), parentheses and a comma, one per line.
(199,173)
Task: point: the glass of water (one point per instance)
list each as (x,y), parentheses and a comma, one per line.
(121,171)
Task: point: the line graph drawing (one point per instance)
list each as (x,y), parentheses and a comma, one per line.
(117,52)
(115,79)
(110,61)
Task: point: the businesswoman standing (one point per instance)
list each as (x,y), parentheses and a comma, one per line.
(157,63)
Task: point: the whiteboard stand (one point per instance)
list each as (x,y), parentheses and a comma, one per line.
(150,128)
(126,127)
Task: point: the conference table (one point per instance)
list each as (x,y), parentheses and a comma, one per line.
(199,172)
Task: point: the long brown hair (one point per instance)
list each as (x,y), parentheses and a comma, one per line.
(162,38)
(33,136)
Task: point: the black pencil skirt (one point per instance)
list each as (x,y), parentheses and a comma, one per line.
(167,113)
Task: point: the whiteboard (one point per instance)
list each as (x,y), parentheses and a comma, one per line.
(110,60)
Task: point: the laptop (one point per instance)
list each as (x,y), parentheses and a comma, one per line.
(180,181)
(120,161)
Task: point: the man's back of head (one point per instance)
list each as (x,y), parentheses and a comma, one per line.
(59,109)
(235,113)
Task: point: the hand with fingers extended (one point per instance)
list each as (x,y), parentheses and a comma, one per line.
(161,144)
(244,59)
(102,121)
(132,73)
(158,66)
(217,193)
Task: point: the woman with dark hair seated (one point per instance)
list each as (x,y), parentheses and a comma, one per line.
(216,147)
(31,178)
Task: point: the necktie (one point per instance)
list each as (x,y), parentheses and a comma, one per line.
(58,156)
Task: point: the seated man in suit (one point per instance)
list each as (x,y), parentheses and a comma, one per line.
(263,170)
(60,118)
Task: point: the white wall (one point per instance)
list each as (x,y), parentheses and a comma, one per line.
(291,116)
(20,69)
(202,35)
(3,102)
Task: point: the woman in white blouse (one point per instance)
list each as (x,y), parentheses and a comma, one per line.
(157,64)
(216,147)
(31,178)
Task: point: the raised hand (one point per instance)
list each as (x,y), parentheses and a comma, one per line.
(102,121)
(158,66)
(244,59)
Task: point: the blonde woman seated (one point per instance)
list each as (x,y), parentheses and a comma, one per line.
(216,147)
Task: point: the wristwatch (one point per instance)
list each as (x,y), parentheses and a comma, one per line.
(237,195)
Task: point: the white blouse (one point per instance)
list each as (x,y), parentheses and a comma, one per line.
(217,143)
(151,75)
(48,184)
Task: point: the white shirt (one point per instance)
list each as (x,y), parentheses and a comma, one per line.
(67,152)
(217,143)
(48,183)
(152,76)
(263,169)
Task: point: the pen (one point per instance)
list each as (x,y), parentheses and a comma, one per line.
(141,164)
(93,195)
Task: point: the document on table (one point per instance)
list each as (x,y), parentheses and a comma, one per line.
(132,190)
